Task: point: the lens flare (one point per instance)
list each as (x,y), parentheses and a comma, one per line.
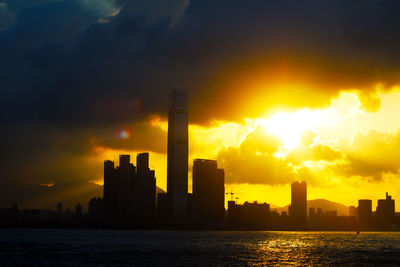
(124,134)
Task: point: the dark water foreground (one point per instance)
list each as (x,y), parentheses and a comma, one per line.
(191,248)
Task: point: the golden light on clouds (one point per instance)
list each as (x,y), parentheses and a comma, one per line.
(329,147)
(290,127)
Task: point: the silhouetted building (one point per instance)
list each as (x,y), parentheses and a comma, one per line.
(330,220)
(118,201)
(142,163)
(231,206)
(78,211)
(311,212)
(95,210)
(110,192)
(298,207)
(145,190)
(365,212)
(220,195)
(125,204)
(331,213)
(319,211)
(352,211)
(164,206)
(177,157)
(248,215)
(208,191)
(385,211)
(129,195)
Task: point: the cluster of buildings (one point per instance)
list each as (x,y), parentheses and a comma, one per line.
(383,217)
(130,196)
(15,217)
(359,218)
(129,191)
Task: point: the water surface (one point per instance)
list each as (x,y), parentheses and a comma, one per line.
(185,248)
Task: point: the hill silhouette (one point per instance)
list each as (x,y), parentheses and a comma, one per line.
(324,204)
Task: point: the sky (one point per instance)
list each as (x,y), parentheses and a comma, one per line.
(279,91)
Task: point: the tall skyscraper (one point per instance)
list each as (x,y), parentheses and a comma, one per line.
(298,207)
(142,162)
(177,158)
(364,211)
(110,191)
(126,171)
(208,191)
(145,190)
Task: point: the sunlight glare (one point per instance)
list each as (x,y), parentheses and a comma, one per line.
(290,127)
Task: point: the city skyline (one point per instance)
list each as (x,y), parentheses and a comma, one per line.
(196,132)
(204,207)
(130,197)
(314,100)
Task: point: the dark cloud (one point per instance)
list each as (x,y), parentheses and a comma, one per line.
(62,62)
(141,136)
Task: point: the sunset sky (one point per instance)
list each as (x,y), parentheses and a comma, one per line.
(278,91)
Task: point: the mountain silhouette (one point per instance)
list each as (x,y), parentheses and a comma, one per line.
(324,204)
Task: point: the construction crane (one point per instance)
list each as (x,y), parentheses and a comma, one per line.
(232,193)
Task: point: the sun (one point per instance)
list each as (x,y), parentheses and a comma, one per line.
(290,126)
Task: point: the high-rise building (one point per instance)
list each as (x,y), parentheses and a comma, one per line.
(385,211)
(125,175)
(110,192)
(145,190)
(298,207)
(208,191)
(164,206)
(177,157)
(364,211)
(129,195)
(142,162)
